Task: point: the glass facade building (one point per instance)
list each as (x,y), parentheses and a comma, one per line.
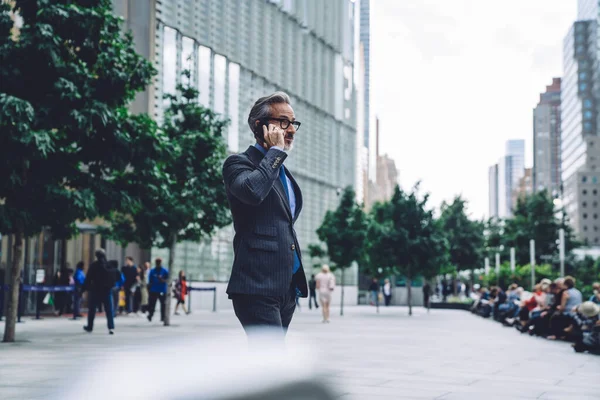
(240,50)
(546,141)
(493,191)
(580,149)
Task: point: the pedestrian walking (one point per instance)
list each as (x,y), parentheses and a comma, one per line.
(426,295)
(79,279)
(100,280)
(180,290)
(265,202)
(144,297)
(387,292)
(374,289)
(158,289)
(325,286)
(130,273)
(312,288)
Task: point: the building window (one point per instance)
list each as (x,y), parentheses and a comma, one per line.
(587,103)
(594,192)
(587,114)
(584,216)
(584,179)
(584,192)
(187,55)
(587,127)
(234,106)
(583,87)
(204,61)
(584,204)
(169,60)
(220,78)
(595,216)
(585,228)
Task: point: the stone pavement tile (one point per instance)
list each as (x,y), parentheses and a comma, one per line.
(419,393)
(461,395)
(568,396)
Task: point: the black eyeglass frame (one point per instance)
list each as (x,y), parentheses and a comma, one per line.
(283,121)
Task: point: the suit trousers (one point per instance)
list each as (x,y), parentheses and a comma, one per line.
(272,314)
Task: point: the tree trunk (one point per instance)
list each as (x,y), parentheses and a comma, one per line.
(409,294)
(172,245)
(342,304)
(15,286)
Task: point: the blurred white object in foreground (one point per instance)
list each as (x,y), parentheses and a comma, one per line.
(225,369)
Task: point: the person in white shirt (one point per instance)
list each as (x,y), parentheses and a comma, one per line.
(325,285)
(387,292)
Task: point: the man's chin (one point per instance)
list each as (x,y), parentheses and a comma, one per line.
(288,147)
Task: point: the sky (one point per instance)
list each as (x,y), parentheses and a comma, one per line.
(453,80)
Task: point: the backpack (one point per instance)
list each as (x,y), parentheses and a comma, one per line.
(109,274)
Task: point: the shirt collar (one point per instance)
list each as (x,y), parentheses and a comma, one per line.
(262,149)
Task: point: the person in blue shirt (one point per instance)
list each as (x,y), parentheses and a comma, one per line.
(158,278)
(79,278)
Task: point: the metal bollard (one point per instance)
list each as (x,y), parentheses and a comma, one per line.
(1,301)
(214,300)
(20,305)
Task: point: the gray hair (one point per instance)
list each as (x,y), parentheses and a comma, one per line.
(262,108)
(100,253)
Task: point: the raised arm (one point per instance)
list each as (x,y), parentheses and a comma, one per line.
(251,186)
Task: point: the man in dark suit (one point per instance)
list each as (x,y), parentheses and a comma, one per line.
(265,202)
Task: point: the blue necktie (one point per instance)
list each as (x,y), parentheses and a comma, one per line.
(283,179)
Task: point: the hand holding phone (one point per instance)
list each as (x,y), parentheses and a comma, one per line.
(274,136)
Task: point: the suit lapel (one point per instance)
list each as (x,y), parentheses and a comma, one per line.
(297,193)
(256,157)
(283,196)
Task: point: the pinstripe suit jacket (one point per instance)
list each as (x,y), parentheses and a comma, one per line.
(265,239)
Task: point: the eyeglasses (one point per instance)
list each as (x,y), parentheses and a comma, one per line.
(285,123)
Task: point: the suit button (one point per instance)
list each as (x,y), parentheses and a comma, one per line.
(293,247)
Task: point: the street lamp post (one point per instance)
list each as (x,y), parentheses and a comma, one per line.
(532,261)
(561,251)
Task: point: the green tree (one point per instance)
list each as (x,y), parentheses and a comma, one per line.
(182,197)
(535,217)
(465,237)
(68,74)
(344,232)
(406,239)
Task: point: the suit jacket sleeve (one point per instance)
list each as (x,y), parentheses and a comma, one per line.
(251,184)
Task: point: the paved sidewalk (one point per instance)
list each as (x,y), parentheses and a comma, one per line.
(367,356)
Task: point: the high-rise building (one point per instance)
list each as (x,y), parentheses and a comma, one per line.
(368,119)
(525,186)
(387,176)
(493,191)
(546,141)
(580,147)
(511,168)
(239,51)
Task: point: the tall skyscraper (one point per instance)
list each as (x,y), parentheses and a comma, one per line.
(239,51)
(509,171)
(493,191)
(580,147)
(546,141)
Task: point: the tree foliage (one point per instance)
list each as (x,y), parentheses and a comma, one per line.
(534,217)
(464,236)
(344,232)
(67,139)
(182,197)
(406,239)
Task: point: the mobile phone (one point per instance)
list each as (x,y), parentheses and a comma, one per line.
(259,132)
